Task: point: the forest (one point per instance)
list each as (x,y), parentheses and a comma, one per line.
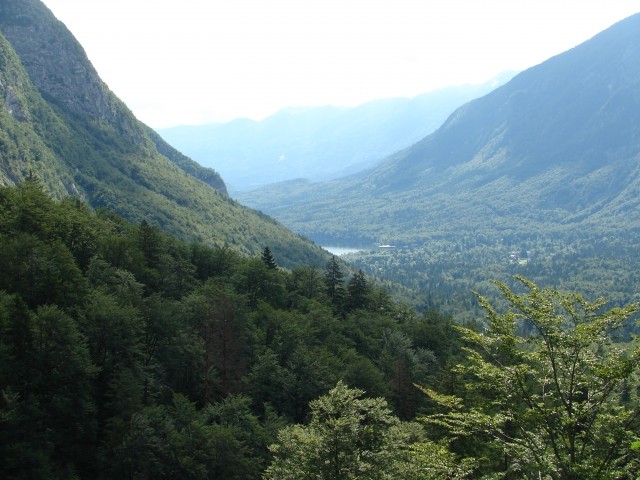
(442,272)
(128,353)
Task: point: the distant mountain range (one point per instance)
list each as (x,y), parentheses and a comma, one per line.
(319,143)
(60,122)
(556,149)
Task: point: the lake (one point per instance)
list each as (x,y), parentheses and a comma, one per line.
(338,251)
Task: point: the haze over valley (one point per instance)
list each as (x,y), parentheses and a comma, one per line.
(319,143)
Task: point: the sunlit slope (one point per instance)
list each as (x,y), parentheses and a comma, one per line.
(556,148)
(62,124)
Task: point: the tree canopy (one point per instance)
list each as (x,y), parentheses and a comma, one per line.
(127,353)
(351,437)
(548,387)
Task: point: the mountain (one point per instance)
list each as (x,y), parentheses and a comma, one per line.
(61,123)
(319,143)
(556,149)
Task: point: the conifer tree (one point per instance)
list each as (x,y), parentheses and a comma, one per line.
(358,290)
(268,259)
(150,243)
(334,281)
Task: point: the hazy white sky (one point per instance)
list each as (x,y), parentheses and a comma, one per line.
(196,61)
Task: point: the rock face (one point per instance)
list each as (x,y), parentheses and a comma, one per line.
(12,103)
(57,65)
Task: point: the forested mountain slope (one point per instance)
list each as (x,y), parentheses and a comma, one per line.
(556,149)
(127,353)
(61,123)
(319,143)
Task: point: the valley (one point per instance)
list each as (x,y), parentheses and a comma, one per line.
(473,314)
(547,163)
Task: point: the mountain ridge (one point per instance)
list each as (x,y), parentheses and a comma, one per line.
(61,122)
(543,149)
(319,143)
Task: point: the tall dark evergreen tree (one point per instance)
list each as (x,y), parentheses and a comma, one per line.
(334,281)
(150,243)
(358,291)
(268,259)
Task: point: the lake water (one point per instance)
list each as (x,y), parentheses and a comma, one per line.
(338,251)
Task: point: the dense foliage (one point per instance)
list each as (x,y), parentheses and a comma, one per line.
(129,353)
(126,353)
(442,272)
(354,438)
(548,387)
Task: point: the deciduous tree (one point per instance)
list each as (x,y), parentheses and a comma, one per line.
(556,401)
(352,437)
(349,437)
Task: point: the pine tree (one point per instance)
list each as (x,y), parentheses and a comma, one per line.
(268,259)
(334,281)
(358,290)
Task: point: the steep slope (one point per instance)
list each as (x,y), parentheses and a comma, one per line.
(319,143)
(60,122)
(555,149)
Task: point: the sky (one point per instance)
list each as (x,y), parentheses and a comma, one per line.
(190,62)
